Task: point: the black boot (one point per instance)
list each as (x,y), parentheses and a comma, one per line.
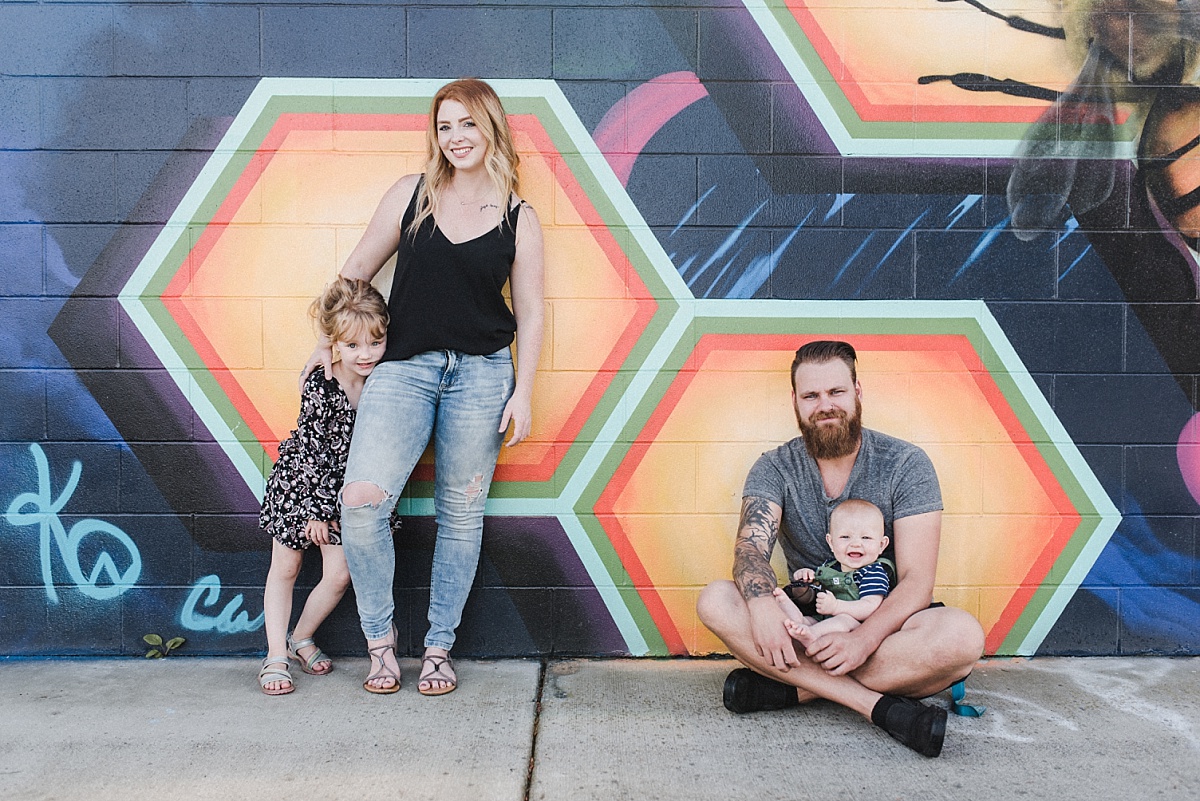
(746,691)
(922,728)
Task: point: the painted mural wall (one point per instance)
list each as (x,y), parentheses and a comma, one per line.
(994,202)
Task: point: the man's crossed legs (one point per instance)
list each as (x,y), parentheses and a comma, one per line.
(933,649)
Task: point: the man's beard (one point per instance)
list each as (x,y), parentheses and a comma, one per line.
(832,442)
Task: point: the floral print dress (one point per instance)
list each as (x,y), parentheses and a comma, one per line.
(307,477)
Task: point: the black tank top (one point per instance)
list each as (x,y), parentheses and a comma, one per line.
(447,296)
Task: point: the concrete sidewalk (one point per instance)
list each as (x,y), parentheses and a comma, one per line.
(196,728)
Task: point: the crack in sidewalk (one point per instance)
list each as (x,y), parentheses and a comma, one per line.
(537,719)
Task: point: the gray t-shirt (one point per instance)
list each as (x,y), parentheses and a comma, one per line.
(893,474)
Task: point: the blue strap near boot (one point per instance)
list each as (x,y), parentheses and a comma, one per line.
(957,693)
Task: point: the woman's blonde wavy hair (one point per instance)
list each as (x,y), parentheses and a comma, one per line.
(500,160)
(347,306)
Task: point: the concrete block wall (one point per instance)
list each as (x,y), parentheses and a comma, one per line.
(780,173)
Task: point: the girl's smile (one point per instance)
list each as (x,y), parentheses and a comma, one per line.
(361,352)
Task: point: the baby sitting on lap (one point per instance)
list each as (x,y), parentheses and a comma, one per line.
(849,587)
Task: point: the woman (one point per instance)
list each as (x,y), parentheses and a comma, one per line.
(460,232)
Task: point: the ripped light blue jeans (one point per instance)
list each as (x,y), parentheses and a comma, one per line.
(459,399)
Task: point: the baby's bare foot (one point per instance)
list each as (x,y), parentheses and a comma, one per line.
(799,632)
(789,608)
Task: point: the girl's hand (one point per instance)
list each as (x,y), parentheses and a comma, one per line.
(317,532)
(323,355)
(519,412)
(827,604)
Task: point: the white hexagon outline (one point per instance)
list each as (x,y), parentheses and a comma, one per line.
(766,16)
(564,505)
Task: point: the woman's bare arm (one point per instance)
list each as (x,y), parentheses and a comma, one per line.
(527,284)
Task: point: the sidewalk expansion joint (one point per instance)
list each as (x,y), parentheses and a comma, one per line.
(537,719)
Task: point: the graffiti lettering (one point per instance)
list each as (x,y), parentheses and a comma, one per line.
(44,514)
(229,621)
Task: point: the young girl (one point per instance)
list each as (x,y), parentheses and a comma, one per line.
(300,507)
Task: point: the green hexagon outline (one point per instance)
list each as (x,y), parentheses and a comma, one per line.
(855,137)
(628,402)
(1099,517)
(141,296)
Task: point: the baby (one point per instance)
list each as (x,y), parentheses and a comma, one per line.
(850,586)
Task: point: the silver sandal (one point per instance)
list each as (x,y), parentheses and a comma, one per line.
(317,656)
(270,674)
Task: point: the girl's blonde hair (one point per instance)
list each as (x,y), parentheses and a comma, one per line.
(347,306)
(500,159)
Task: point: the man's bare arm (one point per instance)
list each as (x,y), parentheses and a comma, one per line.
(755,578)
(757,532)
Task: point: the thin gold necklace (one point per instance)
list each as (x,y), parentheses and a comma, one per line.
(462,202)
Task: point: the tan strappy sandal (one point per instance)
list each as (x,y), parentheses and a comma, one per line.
(384,672)
(437,662)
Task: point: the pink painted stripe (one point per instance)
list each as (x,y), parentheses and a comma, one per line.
(632,121)
(1187,451)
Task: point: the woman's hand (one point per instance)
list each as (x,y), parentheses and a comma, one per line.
(519,412)
(323,355)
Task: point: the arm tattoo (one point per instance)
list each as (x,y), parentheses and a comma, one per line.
(757,531)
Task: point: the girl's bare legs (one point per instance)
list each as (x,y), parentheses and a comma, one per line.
(277,601)
(335,578)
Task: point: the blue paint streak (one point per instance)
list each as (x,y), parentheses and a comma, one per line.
(1078,259)
(729,242)
(687,263)
(984,241)
(761,267)
(969,202)
(890,251)
(1071,225)
(838,202)
(853,256)
(688,214)
(720,275)
(1136,558)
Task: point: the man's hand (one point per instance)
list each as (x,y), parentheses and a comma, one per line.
(827,604)
(840,653)
(771,639)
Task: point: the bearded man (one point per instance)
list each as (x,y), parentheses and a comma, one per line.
(910,647)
